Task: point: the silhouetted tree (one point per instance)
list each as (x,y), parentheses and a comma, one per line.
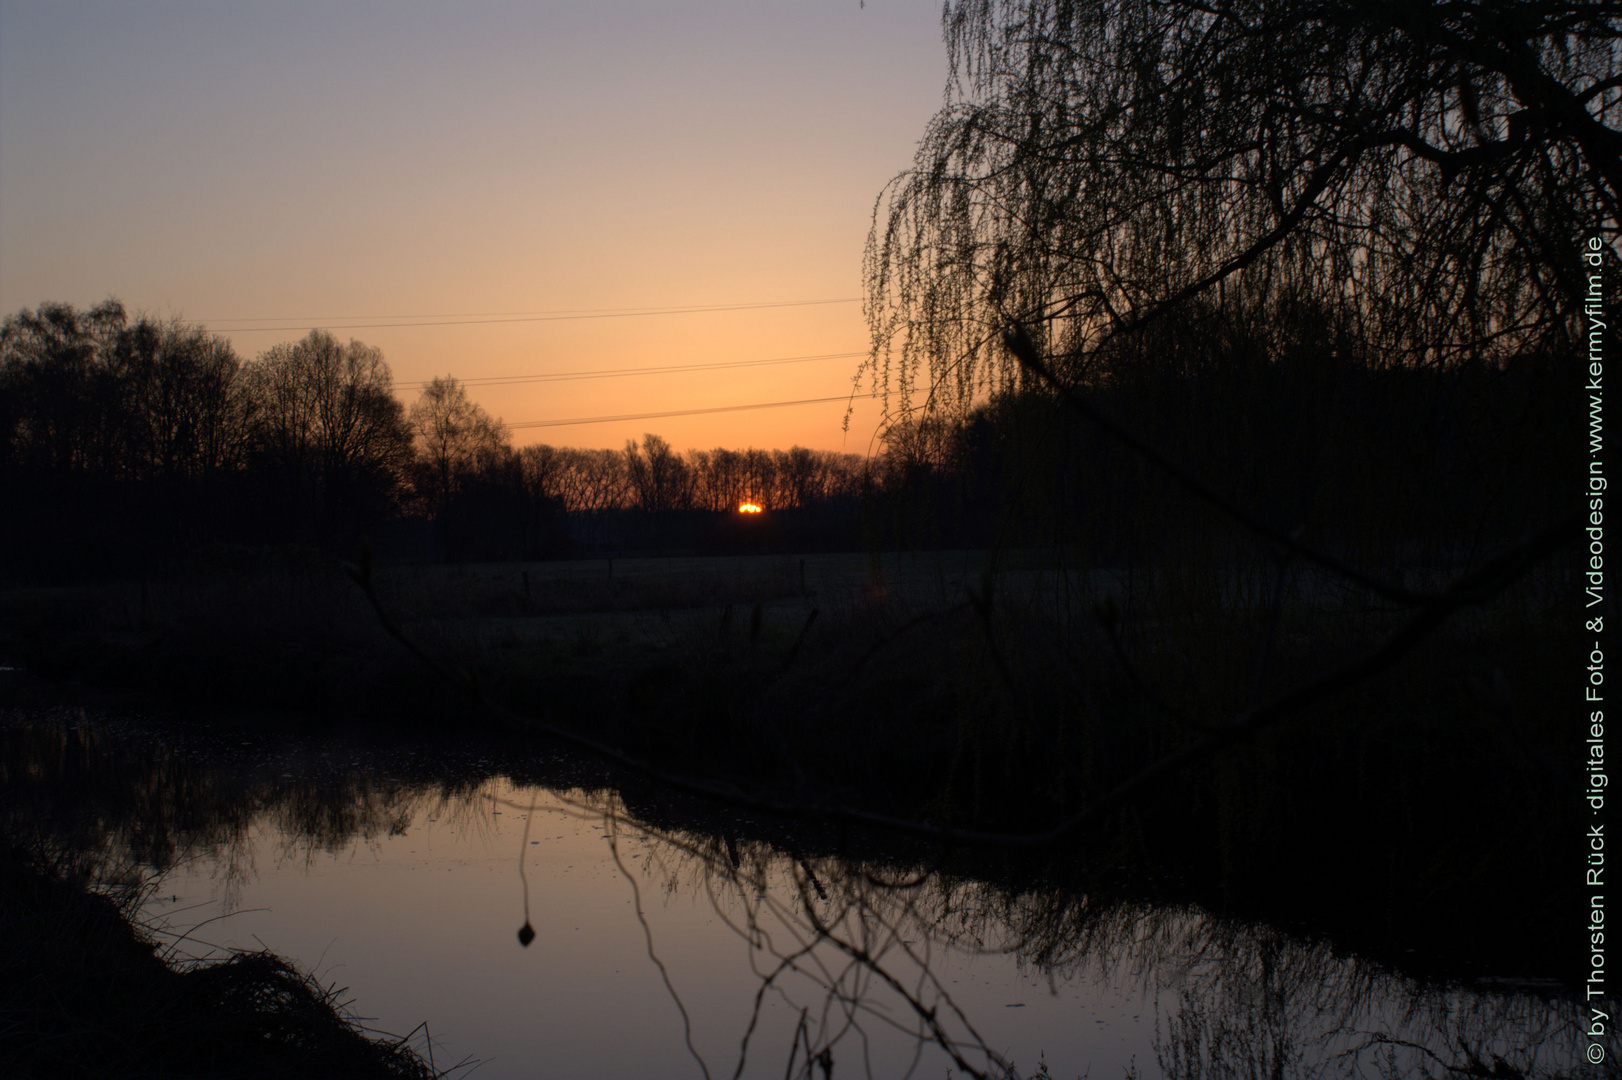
(329,408)
(1406,182)
(117,436)
(540,470)
(329,437)
(720,483)
(796,476)
(90,393)
(188,405)
(592,484)
(64,410)
(455,440)
(659,479)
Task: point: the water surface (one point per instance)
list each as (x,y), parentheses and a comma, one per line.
(671,940)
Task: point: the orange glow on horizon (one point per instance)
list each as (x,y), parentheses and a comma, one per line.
(750,508)
(580,297)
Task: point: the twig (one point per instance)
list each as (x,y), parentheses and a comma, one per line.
(927,1016)
(647,933)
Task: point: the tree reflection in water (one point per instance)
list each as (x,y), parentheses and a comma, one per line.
(843,942)
(853,947)
(832,939)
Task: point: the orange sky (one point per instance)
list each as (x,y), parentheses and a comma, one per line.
(290,167)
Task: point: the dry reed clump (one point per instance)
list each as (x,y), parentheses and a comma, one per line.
(84,994)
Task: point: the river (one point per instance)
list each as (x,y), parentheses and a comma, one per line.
(518,913)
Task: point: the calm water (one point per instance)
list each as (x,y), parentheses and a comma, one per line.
(670,942)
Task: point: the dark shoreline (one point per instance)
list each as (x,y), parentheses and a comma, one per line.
(87,994)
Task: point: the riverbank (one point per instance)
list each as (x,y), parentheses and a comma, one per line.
(85,993)
(1408,816)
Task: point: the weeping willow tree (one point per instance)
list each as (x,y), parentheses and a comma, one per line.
(1407,182)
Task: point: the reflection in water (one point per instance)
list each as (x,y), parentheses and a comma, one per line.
(526,933)
(1227,1000)
(864,974)
(666,942)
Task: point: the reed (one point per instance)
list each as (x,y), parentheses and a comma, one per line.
(86,993)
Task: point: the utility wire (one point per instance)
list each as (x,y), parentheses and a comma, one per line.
(616,373)
(363,322)
(485,314)
(684,412)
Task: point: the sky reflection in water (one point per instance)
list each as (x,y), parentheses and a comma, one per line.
(419,920)
(400,880)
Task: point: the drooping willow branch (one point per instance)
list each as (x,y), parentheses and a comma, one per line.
(1409,179)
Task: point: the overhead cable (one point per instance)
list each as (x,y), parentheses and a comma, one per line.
(684,412)
(615,373)
(362,322)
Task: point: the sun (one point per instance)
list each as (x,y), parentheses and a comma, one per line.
(749,508)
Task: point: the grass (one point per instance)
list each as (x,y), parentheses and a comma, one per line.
(84,993)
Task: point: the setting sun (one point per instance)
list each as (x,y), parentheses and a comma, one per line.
(749,508)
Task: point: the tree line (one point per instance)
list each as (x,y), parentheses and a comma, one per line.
(119,432)
(129,437)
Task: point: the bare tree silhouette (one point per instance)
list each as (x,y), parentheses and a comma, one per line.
(455,438)
(329,409)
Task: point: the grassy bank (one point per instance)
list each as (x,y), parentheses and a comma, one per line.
(83,993)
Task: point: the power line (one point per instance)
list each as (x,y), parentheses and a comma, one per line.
(514,317)
(541,311)
(615,373)
(685,412)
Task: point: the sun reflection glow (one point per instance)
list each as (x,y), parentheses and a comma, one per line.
(749,508)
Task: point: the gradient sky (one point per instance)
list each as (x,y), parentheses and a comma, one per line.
(288,166)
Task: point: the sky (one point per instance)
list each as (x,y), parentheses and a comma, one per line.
(494,191)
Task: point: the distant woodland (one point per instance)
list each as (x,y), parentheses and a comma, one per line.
(128,439)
